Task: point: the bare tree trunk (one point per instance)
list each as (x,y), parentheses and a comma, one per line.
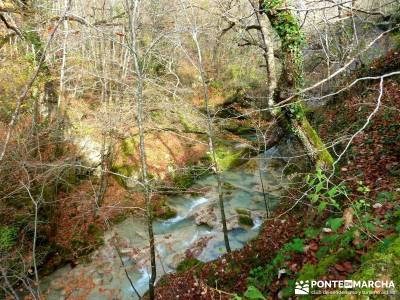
(61,93)
(133,14)
(105,166)
(210,135)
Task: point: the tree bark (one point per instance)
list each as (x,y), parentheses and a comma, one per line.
(210,135)
(298,122)
(133,15)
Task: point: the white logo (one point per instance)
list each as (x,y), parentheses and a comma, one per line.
(302,287)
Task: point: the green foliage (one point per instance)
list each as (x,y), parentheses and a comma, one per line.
(383,261)
(253,293)
(183,179)
(33,37)
(216,84)
(296,110)
(188,264)
(314,272)
(287,27)
(335,223)
(323,193)
(311,233)
(269,5)
(363,188)
(8,237)
(297,245)
(261,277)
(165,212)
(129,146)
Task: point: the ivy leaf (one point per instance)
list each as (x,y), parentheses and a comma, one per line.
(297,245)
(319,186)
(398,227)
(335,223)
(321,206)
(311,233)
(313,197)
(253,293)
(332,192)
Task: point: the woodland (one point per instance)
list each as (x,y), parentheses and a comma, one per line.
(199,149)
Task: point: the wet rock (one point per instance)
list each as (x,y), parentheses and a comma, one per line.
(165,212)
(246,220)
(243,211)
(206,216)
(232,223)
(244,216)
(97,278)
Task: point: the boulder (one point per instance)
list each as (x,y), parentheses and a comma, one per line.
(206,216)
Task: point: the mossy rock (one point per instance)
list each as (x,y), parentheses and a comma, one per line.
(183,179)
(188,264)
(227,157)
(165,212)
(314,272)
(384,261)
(236,128)
(124,170)
(227,186)
(246,220)
(291,169)
(129,146)
(243,211)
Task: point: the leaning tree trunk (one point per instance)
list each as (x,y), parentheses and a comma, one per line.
(291,82)
(286,26)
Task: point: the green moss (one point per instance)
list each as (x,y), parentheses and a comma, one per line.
(324,158)
(383,261)
(227,186)
(183,179)
(8,237)
(124,170)
(187,125)
(165,212)
(128,146)
(314,272)
(188,264)
(243,211)
(246,220)
(227,157)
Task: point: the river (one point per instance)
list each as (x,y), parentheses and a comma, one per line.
(195,229)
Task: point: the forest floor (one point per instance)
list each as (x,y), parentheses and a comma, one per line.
(352,229)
